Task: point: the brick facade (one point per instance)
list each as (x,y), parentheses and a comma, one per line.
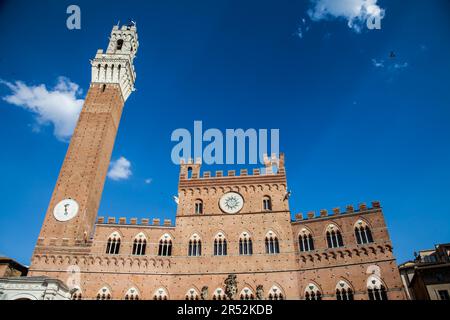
(276,267)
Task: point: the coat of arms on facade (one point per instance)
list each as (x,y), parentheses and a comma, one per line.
(204,293)
(260,292)
(231,286)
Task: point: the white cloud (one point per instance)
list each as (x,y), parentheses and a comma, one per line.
(148,181)
(400,65)
(356,12)
(58,106)
(378,63)
(120,169)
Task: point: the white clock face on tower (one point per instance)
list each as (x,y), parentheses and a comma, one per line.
(65,210)
(231,202)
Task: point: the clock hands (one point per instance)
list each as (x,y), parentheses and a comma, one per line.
(65,209)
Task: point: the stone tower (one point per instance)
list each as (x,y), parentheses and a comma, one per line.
(75,200)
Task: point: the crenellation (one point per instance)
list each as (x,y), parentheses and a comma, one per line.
(133,221)
(156,221)
(122,220)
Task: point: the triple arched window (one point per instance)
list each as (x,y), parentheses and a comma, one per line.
(362,232)
(195,246)
(376,289)
(343,291)
(132,294)
(245,244)
(220,245)
(334,237)
(139,244)
(77,294)
(271,243)
(165,246)
(312,292)
(305,240)
(247,294)
(219,294)
(104,294)
(192,294)
(275,293)
(113,244)
(160,294)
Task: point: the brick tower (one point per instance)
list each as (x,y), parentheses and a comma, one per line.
(73,207)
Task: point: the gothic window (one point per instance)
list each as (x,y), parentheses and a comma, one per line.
(267,203)
(219,294)
(247,294)
(343,291)
(312,292)
(192,294)
(132,294)
(119,44)
(160,294)
(271,242)
(104,294)
(275,293)
(376,289)
(139,244)
(245,244)
(165,246)
(362,233)
(334,237)
(220,245)
(195,246)
(305,241)
(113,244)
(198,206)
(77,294)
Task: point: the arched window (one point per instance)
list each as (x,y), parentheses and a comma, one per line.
(271,242)
(119,44)
(312,292)
(77,294)
(362,232)
(247,294)
(104,294)
(219,294)
(165,245)
(343,291)
(195,246)
(192,294)
(376,289)
(160,294)
(305,240)
(132,294)
(267,203)
(139,244)
(245,244)
(220,245)
(198,206)
(334,237)
(275,293)
(113,244)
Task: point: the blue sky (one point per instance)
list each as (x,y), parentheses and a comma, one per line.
(355,124)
